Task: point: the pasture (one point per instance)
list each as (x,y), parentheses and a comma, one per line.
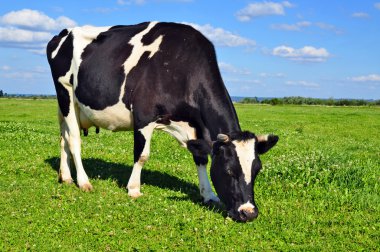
(319,188)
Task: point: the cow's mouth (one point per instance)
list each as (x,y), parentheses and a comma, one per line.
(243,215)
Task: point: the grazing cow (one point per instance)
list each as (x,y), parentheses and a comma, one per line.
(150,76)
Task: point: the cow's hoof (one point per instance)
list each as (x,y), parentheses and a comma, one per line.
(211,199)
(87,187)
(133,193)
(65,181)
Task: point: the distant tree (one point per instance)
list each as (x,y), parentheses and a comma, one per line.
(250,100)
(1,93)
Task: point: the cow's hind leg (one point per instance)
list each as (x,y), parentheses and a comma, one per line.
(71,144)
(142,139)
(64,167)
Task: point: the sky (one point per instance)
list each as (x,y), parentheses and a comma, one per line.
(310,48)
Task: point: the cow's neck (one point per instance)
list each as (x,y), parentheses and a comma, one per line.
(223,119)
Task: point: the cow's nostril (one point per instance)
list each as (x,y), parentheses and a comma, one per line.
(248,214)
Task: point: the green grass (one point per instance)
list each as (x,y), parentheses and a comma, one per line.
(319,188)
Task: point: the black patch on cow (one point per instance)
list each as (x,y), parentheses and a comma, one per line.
(60,65)
(200,150)
(241,135)
(183,79)
(101,73)
(72,79)
(139,144)
(63,33)
(164,119)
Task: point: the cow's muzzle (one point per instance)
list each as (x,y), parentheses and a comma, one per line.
(244,213)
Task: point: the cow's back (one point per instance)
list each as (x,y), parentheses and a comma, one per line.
(155,68)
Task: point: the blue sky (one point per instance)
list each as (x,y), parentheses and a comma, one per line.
(265,48)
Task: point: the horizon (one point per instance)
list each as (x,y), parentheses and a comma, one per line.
(265,48)
(233,97)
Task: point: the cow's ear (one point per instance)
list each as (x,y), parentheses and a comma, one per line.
(266,142)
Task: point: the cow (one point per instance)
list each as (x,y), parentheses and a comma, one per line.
(148,76)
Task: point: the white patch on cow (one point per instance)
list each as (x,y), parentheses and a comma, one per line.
(204,185)
(115,118)
(247,207)
(245,151)
(83,36)
(134,183)
(55,52)
(147,132)
(138,50)
(181,131)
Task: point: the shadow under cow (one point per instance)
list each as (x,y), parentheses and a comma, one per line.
(100,169)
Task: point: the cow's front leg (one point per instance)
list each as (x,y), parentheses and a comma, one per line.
(142,139)
(204,185)
(200,150)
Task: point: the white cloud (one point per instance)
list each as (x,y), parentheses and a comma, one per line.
(259,9)
(329,27)
(102,10)
(304,54)
(121,2)
(35,20)
(299,26)
(140,2)
(292,27)
(5,68)
(360,15)
(228,68)
(30,29)
(272,75)
(302,83)
(240,81)
(221,37)
(377,6)
(366,78)
(37,72)
(14,35)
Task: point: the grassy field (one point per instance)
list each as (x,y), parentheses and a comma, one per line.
(319,188)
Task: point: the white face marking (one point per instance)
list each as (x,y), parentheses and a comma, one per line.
(245,151)
(181,131)
(248,207)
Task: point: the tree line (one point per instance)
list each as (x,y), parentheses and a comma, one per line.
(298,100)
(291,100)
(3,94)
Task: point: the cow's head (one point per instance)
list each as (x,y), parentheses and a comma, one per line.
(235,164)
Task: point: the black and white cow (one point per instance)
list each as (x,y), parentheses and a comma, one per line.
(150,76)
